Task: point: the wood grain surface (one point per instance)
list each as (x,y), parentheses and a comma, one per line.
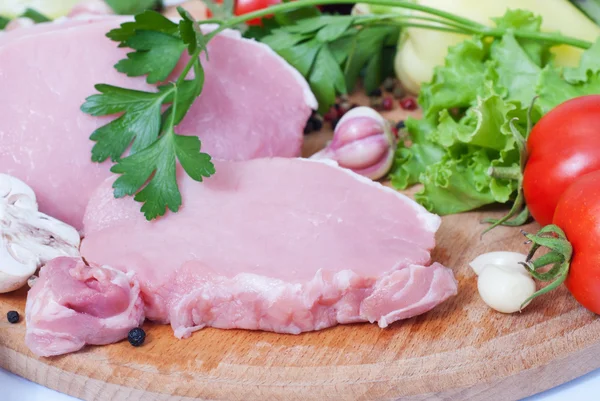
(461,350)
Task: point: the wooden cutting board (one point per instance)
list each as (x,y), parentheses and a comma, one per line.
(460,351)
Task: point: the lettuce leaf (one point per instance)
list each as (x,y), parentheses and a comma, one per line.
(467,110)
(556,85)
(459,80)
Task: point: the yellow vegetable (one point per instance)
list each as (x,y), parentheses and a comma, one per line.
(420,50)
(50,8)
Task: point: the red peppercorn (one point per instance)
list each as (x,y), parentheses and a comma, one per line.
(332,114)
(408,103)
(343,109)
(387,103)
(395,132)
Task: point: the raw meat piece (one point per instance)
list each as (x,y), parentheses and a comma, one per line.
(284,245)
(254,104)
(72,304)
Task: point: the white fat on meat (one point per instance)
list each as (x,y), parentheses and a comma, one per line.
(253,104)
(28,238)
(276,244)
(72,304)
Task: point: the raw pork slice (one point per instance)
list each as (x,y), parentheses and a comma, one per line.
(283,245)
(72,304)
(254,104)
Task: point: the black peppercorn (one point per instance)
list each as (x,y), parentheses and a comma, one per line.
(136,336)
(400,125)
(317,123)
(13,316)
(334,123)
(375,92)
(310,126)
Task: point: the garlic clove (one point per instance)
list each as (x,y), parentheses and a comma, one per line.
(363,153)
(363,142)
(504,289)
(498,258)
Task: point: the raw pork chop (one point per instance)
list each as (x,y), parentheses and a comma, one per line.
(254,104)
(283,245)
(72,304)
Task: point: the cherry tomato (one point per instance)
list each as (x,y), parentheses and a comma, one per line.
(578,214)
(563,145)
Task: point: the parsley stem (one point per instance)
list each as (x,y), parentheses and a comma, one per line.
(409,18)
(282,7)
(461,24)
(412,22)
(194,59)
(552,38)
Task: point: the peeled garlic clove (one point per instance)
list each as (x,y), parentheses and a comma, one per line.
(362,142)
(499,258)
(504,289)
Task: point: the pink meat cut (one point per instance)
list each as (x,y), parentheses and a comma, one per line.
(73,304)
(254,104)
(275,244)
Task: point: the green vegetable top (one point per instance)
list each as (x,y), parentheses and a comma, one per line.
(464,140)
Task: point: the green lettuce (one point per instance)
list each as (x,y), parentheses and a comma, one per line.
(468,106)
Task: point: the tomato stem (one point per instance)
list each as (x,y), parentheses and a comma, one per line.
(561,251)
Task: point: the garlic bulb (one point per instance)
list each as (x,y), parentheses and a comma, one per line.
(362,142)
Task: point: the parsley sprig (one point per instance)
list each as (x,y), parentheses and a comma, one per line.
(330,51)
(143,127)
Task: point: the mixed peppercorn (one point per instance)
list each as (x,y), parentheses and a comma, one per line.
(380,99)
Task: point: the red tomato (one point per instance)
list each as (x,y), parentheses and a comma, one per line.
(563,145)
(242,7)
(578,214)
(247,6)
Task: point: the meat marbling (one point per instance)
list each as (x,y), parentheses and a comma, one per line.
(254,104)
(276,244)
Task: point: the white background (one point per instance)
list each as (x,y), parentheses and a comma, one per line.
(13,388)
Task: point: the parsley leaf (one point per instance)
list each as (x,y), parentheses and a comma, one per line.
(157,55)
(326,77)
(35,16)
(331,53)
(130,7)
(3,22)
(146,21)
(147,119)
(191,34)
(141,120)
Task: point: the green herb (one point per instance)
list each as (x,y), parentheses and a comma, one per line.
(464,150)
(130,7)
(331,52)
(30,13)
(3,22)
(34,15)
(154,147)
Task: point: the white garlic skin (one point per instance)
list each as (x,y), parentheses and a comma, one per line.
(503,283)
(505,289)
(498,258)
